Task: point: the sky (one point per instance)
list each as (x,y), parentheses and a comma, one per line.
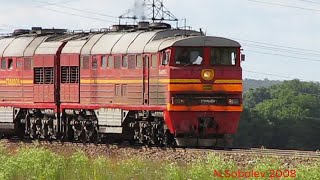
(280,38)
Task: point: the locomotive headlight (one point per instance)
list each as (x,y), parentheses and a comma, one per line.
(178,101)
(234,101)
(207,74)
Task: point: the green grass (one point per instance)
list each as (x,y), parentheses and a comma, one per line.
(36,163)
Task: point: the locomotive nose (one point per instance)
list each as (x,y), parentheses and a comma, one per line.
(198,126)
(207,123)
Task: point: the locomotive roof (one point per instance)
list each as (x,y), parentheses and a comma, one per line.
(20,46)
(108,43)
(196,41)
(4,43)
(48,48)
(143,42)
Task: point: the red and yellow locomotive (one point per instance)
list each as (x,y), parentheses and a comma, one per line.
(150,84)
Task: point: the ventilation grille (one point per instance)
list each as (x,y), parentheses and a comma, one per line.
(44,75)
(69,74)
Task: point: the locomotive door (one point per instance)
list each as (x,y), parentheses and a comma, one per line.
(69,87)
(44,78)
(146,68)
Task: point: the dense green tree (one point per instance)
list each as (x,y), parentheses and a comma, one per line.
(253,84)
(285,115)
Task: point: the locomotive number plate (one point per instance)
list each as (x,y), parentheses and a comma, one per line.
(207,87)
(13,81)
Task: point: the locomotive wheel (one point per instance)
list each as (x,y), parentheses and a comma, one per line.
(96,137)
(19,128)
(33,132)
(168,138)
(132,142)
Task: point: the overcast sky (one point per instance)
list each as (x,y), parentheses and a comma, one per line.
(280,38)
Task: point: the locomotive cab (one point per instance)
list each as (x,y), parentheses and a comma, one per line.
(205,91)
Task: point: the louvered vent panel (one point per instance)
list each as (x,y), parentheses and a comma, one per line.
(74,74)
(65,74)
(49,75)
(38,76)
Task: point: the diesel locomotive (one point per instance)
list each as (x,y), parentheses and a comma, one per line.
(148,84)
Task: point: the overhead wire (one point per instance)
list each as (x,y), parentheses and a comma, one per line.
(282,76)
(285,5)
(277,45)
(282,55)
(270,48)
(308,1)
(283,51)
(280,50)
(298,51)
(270,74)
(75,9)
(78,15)
(62,2)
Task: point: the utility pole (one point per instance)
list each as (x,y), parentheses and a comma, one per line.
(154,10)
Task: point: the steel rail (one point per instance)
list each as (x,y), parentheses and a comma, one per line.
(240,151)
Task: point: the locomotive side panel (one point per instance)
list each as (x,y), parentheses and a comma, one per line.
(11,81)
(11,73)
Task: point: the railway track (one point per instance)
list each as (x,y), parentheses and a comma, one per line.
(253,151)
(247,151)
(266,152)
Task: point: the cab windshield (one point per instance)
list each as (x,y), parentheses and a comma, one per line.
(189,56)
(223,56)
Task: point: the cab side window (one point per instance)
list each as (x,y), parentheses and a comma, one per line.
(19,64)
(131,62)
(139,61)
(84,63)
(10,64)
(3,64)
(165,57)
(94,64)
(154,61)
(125,61)
(117,62)
(28,64)
(186,55)
(110,64)
(104,62)
(223,56)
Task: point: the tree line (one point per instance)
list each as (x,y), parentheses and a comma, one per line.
(284,116)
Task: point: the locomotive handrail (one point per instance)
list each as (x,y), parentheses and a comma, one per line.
(5,34)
